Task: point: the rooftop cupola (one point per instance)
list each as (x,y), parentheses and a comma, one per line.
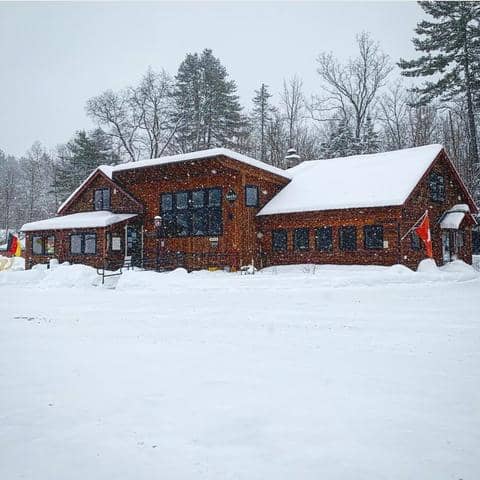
(292,158)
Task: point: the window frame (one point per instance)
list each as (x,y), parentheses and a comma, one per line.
(102,191)
(366,229)
(284,232)
(297,231)
(43,244)
(211,213)
(82,236)
(317,237)
(257,199)
(341,240)
(437,187)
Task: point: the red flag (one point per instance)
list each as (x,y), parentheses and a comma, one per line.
(423,231)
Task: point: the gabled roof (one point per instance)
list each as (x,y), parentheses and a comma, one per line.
(108,170)
(376,180)
(200,155)
(95,219)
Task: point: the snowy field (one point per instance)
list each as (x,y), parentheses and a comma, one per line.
(292,373)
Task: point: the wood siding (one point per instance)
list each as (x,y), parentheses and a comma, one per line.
(388,217)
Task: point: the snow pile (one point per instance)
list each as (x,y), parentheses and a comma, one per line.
(11,264)
(427,265)
(152,281)
(325,276)
(58,276)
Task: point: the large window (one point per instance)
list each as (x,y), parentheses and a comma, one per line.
(437,187)
(348,238)
(43,244)
(279,240)
(101,199)
(323,239)
(251,196)
(373,236)
(300,239)
(83,243)
(192,212)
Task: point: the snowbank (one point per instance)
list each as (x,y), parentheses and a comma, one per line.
(59,275)
(287,276)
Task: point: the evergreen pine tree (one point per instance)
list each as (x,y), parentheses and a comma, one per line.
(452,46)
(370,142)
(341,142)
(207,108)
(262,111)
(78,158)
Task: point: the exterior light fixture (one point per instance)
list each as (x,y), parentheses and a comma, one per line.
(231,196)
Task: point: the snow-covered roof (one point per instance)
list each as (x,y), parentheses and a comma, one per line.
(376,180)
(202,154)
(454,217)
(79,220)
(183,157)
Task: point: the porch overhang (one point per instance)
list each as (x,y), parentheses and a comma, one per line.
(97,219)
(453,218)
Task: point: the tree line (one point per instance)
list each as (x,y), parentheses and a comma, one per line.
(359,108)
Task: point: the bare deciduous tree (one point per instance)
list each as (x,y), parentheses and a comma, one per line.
(353,88)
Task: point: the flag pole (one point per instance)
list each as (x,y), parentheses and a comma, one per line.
(415,224)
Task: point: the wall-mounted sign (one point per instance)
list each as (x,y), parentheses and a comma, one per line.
(231,196)
(116,244)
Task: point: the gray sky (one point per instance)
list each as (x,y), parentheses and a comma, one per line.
(54,56)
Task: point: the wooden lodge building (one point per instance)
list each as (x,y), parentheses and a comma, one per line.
(217,208)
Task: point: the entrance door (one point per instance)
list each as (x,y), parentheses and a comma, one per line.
(446,247)
(134,245)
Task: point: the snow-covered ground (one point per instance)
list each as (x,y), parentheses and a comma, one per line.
(293,373)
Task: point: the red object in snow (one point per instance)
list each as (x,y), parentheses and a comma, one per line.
(423,231)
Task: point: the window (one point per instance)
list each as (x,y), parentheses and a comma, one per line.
(279,240)
(76,244)
(37,244)
(373,236)
(101,199)
(323,239)
(251,196)
(43,245)
(437,187)
(50,245)
(300,239)
(415,241)
(83,243)
(476,242)
(167,202)
(192,213)
(348,238)
(90,243)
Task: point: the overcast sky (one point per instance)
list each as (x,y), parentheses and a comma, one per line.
(55,56)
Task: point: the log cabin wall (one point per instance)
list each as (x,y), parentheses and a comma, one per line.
(420,201)
(120,202)
(104,255)
(388,217)
(238,238)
